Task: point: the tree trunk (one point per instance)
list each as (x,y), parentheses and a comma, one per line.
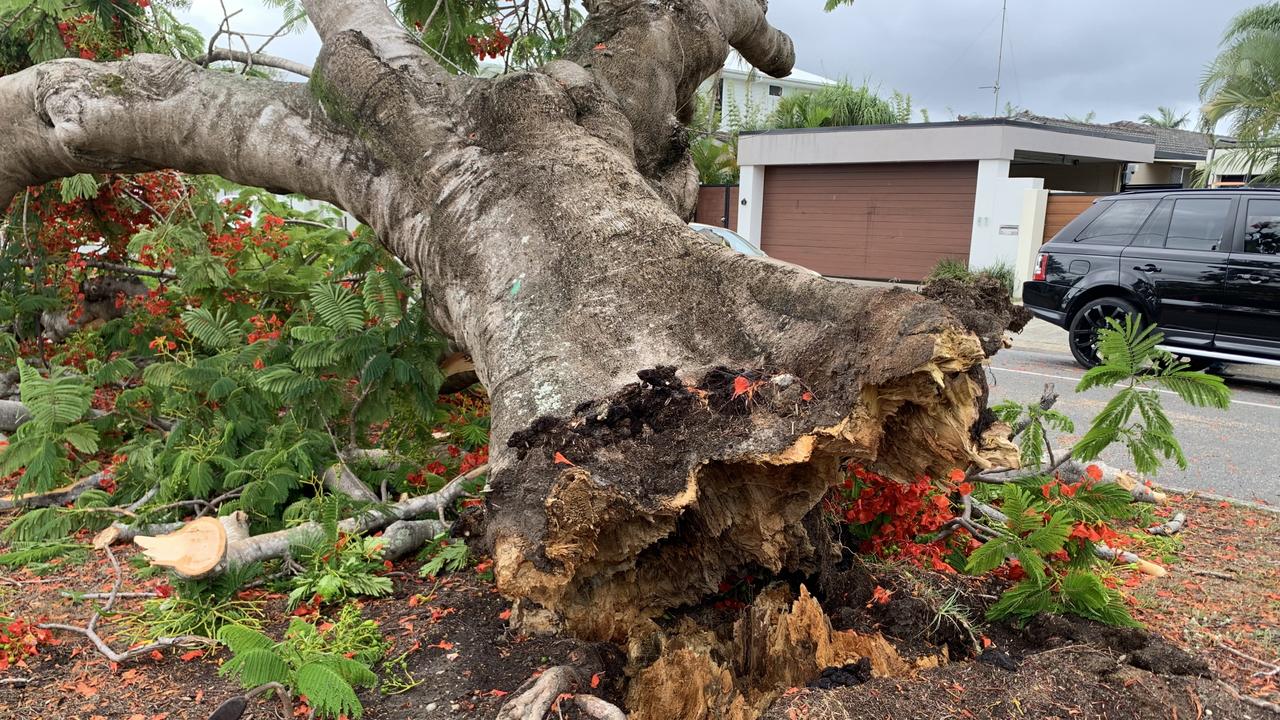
(664,411)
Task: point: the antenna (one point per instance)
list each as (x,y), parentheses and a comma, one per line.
(1004,16)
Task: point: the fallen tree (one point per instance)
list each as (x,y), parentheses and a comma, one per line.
(545,212)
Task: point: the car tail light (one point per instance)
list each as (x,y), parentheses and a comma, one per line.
(1042,265)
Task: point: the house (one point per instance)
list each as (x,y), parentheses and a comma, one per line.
(887,202)
(744,97)
(1178,152)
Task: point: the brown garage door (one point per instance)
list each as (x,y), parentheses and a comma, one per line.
(877,221)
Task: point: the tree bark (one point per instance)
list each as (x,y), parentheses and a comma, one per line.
(664,411)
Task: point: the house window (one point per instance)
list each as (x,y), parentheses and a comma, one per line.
(775,90)
(719,99)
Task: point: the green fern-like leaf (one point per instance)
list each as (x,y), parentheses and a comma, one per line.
(354,672)
(1017,508)
(1050,538)
(215,331)
(337,307)
(327,692)
(257,666)
(1023,601)
(59,399)
(986,558)
(1198,389)
(239,639)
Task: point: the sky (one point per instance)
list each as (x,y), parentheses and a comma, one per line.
(1117,58)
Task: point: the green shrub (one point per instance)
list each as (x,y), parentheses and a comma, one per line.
(325,665)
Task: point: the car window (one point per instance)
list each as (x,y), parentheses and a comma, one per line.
(1262,229)
(1156,227)
(1197,223)
(1119,223)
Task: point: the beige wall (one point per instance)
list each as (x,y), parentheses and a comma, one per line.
(1159,173)
(1085,177)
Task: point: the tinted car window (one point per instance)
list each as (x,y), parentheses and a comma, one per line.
(1156,227)
(1197,223)
(1262,229)
(1118,223)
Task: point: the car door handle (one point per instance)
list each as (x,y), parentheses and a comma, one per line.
(1148,268)
(1256,279)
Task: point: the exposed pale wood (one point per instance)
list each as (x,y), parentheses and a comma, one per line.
(192,551)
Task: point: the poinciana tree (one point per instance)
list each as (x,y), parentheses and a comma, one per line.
(663,410)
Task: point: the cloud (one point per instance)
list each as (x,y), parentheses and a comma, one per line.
(1118,59)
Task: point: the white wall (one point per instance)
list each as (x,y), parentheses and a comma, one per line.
(751,203)
(937,142)
(998,215)
(1035,202)
(751,100)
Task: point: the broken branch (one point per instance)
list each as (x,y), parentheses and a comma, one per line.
(1171,528)
(90,631)
(60,496)
(207,546)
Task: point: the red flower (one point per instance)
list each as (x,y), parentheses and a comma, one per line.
(258,364)
(1094,472)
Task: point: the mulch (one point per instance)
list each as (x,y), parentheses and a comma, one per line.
(461,658)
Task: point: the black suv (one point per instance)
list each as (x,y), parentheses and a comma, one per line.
(1203,265)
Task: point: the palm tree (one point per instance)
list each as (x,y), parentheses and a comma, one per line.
(1166,117)
(1243,84)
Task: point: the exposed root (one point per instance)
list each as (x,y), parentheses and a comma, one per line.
(700,674)
(233,708)
(1272,669)
(597,708)
(614,524)
(1256,702)
(534,702)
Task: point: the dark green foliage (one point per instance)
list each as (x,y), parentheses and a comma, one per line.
(325,665)
(1047,517)
(446,556)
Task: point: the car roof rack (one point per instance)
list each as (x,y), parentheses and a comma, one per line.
(1168,191)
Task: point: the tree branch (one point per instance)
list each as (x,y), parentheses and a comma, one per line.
(149,112)
(374,20)
(90,631)
(654,56)
(253,59)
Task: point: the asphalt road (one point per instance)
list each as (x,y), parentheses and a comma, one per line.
(1235,452)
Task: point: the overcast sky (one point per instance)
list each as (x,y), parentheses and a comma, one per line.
(1119,58)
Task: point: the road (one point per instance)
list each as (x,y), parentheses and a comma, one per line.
(1235,452)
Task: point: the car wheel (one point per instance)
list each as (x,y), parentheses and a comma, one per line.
(1083,330)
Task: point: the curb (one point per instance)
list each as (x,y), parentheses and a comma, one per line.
(1252,505)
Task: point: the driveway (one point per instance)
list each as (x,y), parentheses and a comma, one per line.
(1235,452)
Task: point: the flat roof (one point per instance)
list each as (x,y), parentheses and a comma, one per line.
(991,139)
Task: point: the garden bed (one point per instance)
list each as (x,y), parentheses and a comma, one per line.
(460,658)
